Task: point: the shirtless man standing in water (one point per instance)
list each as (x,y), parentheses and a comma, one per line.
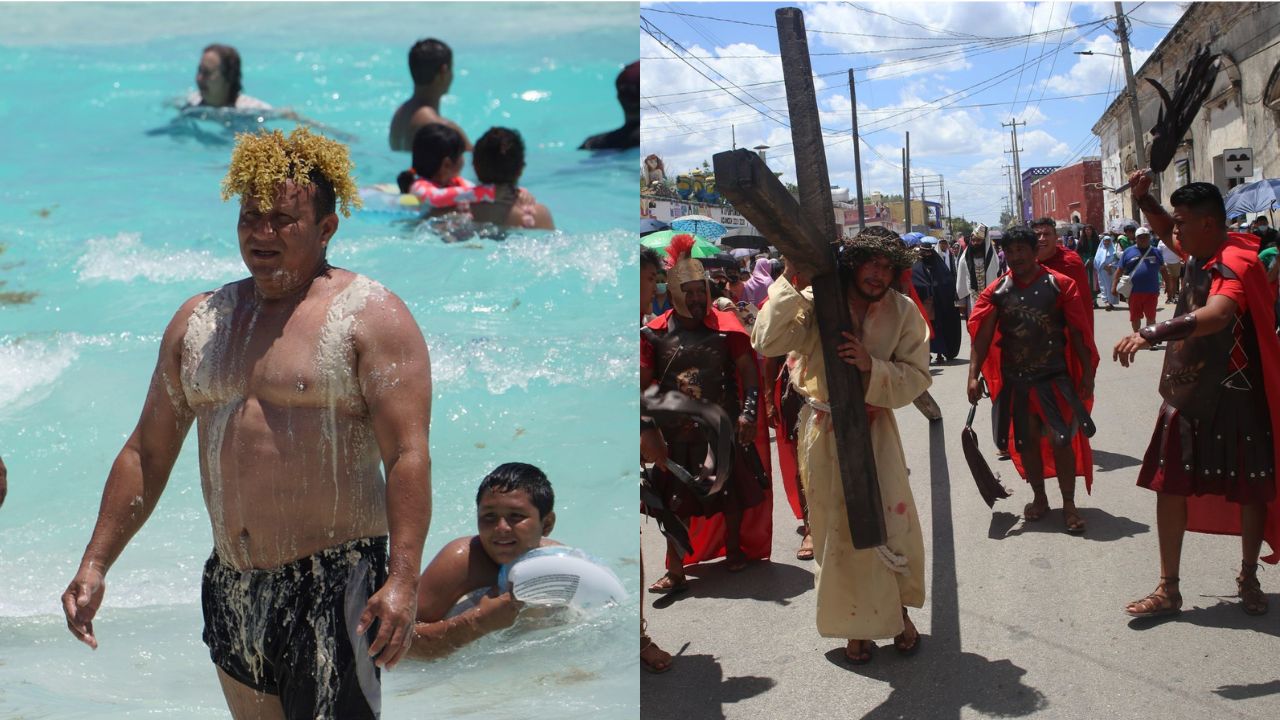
(301,379)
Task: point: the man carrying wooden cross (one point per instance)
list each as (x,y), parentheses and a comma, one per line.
(862,594)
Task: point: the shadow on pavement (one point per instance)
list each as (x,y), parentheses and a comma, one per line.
(1248,692)
(1223,614)
(762,580)
(1100,525)
(1108,461)
(695,688)
(939,684)
(941,680)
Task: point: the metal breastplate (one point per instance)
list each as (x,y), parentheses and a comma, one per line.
(696,362)
(1032,329)
(1196,369)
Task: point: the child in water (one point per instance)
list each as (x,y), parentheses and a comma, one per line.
(436,176)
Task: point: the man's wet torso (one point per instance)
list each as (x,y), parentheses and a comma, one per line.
(288,460)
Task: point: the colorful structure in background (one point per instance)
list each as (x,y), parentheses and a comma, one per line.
(1071,195)
(1029,176)
(697,186)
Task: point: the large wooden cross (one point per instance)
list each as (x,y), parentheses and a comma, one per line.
(805,232)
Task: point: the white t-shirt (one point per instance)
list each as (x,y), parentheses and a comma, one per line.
(243,102)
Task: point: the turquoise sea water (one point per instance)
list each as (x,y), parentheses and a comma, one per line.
(531,339)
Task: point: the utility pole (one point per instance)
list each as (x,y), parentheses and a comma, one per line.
(734,130)
(1017,167)
(1008,171)
(1139,147)
(951,229)
(906,182)
(857,154)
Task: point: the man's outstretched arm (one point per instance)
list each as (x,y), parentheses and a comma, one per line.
(136,481)
(395,379)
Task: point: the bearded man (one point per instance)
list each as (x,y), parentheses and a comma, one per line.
(863,595)
(705,353)
(978,265)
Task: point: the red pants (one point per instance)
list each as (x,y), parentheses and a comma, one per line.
(1141,303)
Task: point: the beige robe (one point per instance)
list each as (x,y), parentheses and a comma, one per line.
(858,595)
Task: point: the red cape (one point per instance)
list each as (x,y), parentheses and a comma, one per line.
(1212,513)
(1070,264)
(1075,317)
(906,288)
(756,534)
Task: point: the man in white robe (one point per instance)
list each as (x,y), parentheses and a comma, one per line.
(862,594)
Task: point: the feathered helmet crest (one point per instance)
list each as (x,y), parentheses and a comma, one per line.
(682,268)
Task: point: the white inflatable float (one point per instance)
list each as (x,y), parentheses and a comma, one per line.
(555,576)
(559,576)
(386,197)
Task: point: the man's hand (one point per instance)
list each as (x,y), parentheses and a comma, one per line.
(854,352)
(653,448)
(746,430)
(498,610)
(1139,183)
(81,601)
(1128,347)
(394,606)
(975,390)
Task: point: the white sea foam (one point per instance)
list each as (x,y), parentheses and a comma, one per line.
(124,258)
(28,369)
(597,256)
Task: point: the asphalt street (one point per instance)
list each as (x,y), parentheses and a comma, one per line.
(1020,619)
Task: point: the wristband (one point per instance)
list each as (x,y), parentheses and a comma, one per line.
(1172,329)
(749,403)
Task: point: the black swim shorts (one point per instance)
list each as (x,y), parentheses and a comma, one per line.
(290,631)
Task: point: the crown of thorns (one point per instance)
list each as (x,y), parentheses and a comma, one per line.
(875,242)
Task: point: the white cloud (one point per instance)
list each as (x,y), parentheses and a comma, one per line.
(1098,72)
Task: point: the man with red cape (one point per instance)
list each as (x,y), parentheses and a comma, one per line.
(706,354)
(1213,456)
(1051,254)
(1029,332)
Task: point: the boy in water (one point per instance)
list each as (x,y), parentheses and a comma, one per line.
(514,516)
(436,176)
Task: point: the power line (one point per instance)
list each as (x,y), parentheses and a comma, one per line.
(980,48)
(1025,49)
(903,21)
(645,26)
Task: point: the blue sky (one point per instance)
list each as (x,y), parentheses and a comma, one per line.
(950,73)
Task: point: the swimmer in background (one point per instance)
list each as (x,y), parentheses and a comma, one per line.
(306,383)
(220,97)
(4,481)
(498,159)
(627,136)
(513,516)
(436,180)
(431,66)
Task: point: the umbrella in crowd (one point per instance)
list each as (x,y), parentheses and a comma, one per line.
(700,225)
(745,241)
(1252,197)
(649,225)
(659,241)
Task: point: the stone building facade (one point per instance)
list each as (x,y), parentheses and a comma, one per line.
(1242,111)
